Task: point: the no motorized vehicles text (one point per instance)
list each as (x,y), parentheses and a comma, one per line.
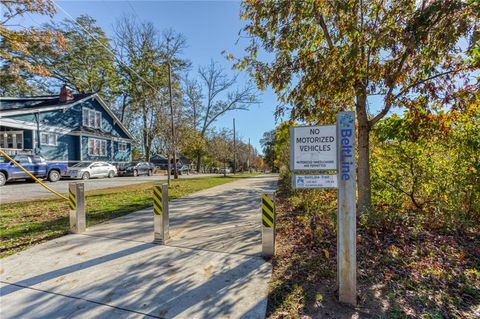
(313,148)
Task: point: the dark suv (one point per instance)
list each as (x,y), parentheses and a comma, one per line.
(136,169)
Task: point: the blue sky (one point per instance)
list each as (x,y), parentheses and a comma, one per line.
(210,27)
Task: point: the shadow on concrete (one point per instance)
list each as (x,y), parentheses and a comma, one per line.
(215,220)
(160,285)
(209,271)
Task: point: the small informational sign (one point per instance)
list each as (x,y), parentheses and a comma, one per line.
(314,181)
(313,148)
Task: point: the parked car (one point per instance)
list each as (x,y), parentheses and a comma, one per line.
(136,169)
(227,170)
(35,165)
(86,170)
(181,170)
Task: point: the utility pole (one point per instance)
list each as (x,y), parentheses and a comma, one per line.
(174,149)
(169,168)
(249,150)
(234,149)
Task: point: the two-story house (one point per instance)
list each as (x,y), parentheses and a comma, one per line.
(66,127)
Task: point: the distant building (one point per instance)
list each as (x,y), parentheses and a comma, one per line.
(161,161)
(66,127)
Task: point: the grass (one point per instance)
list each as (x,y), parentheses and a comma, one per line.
(403,271)
(24,224)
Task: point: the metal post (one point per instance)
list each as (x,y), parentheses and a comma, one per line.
(268,223)
(76,201)
(346,219)
(169,168)
(234,149)
(249,155)
(160,213)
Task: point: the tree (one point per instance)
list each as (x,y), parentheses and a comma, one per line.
(82,58)
(220,97)
(143,56)
(330,56)
(190,142)
(220,147)
(15,42)
(268,147)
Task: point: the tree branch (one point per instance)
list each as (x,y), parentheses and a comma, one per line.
(323,25)
(388,103)
(423,81)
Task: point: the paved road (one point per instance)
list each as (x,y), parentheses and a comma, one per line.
(23,191)
(209,269)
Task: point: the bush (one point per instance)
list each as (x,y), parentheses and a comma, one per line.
(434,174)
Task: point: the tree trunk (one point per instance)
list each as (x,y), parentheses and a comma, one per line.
(363,175)
(146,143)
(199,161)
(124,106)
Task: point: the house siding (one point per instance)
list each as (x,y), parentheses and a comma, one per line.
(28,139)
(108,123)
(121,156)
(87,157)
(70,146)
(68,119)
(72,118)
(67,149)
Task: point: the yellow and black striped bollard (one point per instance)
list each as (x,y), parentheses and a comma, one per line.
(268,223)
(160,213)
(76,201)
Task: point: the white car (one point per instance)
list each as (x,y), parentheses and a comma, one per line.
(86,170)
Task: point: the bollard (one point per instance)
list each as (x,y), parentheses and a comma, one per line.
(268,223)
(160,213)
(76,201)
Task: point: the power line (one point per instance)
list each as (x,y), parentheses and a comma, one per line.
(103,45)
(133,10)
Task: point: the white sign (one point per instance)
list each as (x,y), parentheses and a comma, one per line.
(313,148)
(315,181)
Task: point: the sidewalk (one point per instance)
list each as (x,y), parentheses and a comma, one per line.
(210,268)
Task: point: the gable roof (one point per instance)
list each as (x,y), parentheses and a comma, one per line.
(26,105)
(35,102)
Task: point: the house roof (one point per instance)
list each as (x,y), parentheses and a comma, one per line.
(25,105)
(35,102)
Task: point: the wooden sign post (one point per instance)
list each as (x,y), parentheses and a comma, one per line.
(346,218)
(327,148)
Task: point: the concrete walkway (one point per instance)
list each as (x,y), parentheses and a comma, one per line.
(210,268)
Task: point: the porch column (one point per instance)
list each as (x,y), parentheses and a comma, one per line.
(38,148)
(81,147)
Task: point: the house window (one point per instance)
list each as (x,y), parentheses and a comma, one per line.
(92,118)
(48,139)
(85,117)
(122,146)
(98,119)
(11,140)
(97,147)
